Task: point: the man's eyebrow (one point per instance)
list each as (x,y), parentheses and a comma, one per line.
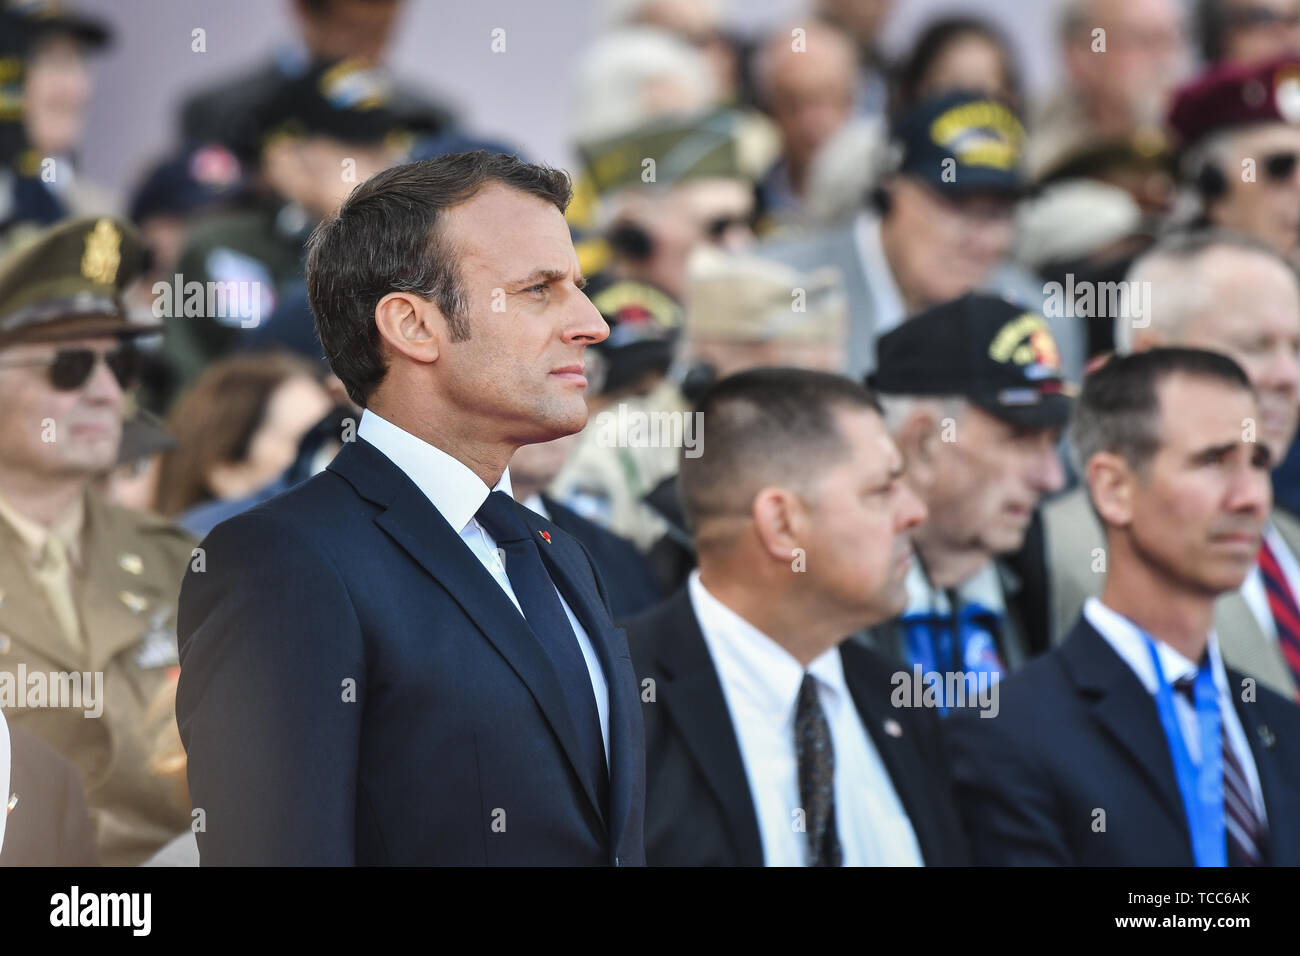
(1214,451)
(546,275)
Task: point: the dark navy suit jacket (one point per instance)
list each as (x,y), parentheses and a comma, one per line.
(356,688)
(1077,733)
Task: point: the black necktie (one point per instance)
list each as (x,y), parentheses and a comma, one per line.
(1245,831)
(816,756)
(545,615)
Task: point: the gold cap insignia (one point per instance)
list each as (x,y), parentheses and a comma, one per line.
(103,253)
(130,563)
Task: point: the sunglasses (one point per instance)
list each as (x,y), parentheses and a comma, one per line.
(1280,166)
(70,369)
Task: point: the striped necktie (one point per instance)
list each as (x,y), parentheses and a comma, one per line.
(1245,831)
(1286,614)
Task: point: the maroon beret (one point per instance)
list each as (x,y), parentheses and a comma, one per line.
(1234,94)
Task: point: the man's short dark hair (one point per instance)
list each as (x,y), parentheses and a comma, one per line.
(387,237)
(1118,410)
(762,427)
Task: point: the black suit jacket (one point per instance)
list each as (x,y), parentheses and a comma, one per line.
(699,811)
(1077,733)
(50,825)
(622,568)
(356,688)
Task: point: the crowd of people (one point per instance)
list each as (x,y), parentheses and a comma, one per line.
(938,459)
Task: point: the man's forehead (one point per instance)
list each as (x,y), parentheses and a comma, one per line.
(1201,411)
(503,225)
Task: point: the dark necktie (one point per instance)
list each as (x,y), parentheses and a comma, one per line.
(816,757)
(1281,602)
(545,615)
(1245,831)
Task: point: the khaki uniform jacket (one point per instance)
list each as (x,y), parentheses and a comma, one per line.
(126,594)
(1072,541)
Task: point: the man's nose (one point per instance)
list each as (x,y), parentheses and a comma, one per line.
(584,323)
(911,511)
(1251,491)
(102,388)
(1046,472)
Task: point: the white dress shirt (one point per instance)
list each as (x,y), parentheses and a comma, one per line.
(1126,639)
(458,493)
(886,298)
(1253,591)
(760,681)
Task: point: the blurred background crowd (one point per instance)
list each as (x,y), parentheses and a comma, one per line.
(726,161)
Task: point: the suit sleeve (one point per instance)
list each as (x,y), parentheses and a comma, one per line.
(1007,807)
(269,642)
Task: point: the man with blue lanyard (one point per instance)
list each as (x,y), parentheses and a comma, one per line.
(974,396)
(1132,744)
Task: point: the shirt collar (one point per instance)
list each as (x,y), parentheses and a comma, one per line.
(33,534)
(752,663)
(1126,639)
(890,309)
(448,483)
(984,588)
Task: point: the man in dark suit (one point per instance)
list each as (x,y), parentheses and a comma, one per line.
(1132,744)
(769,739)
(394,662)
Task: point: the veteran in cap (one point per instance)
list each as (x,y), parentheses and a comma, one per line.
(86,588)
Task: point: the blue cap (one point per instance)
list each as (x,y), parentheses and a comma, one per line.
(962,142)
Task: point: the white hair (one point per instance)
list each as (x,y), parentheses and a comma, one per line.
(613,77)
(1181,288)
(897,409)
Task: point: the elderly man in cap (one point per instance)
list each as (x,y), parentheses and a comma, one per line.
(87,590)
(741,312)
(1239,132)
(974,397)
(941,224)
(1234,295)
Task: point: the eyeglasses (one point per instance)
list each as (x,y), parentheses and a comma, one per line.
(1280,166)
(70,369)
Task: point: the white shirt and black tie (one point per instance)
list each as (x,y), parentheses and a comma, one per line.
(458,494)
(761,683)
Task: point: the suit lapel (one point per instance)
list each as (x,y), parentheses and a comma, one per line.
(897,752)
(1281,798)
(692,694)
(412,521)
(1123,708)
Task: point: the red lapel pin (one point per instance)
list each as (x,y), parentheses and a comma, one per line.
(545,536)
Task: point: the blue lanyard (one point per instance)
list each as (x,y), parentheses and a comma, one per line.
(1201,785)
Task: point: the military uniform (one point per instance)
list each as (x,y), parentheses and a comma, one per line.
(92,593)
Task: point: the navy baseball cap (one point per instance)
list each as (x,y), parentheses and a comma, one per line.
(962,142)
(1000,356)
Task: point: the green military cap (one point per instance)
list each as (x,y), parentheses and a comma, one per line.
(66,282)
(682,148)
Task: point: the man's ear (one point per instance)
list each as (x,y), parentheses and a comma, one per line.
(779,518)
(918,440)
(410,325)
(1113,486)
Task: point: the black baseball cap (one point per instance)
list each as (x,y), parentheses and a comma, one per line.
(1000,356)
(962,142)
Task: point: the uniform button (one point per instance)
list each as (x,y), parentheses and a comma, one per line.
(618,861)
